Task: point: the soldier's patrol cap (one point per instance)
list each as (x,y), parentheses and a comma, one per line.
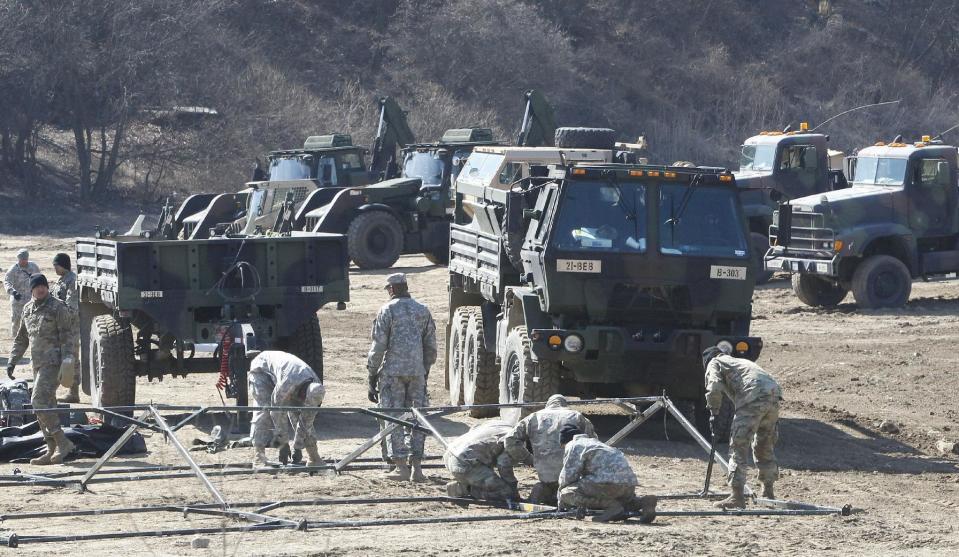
(23,254)
(396,278)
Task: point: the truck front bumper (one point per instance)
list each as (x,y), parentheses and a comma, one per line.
(795,263)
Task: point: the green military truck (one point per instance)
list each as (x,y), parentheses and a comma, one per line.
(896,223)
(155,303)
(626,272)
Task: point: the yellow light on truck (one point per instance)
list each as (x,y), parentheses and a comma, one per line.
(837,246)
(741,346)
(579,171)
(926,139)
(879,144)
(653,173)
(555,340)
(725,178)
(669,174)
(635,173)
(803,126)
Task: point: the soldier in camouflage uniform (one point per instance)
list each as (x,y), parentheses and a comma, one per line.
(65,290)
(756,396)
(480,465)
(48,328)
(541,431)
(597,476)
(280,379)
(17,284)
(400,358)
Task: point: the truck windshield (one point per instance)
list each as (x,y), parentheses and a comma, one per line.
(880,171)
(709,225)
(757,157)
(607,217)
(425,166)
(289,169)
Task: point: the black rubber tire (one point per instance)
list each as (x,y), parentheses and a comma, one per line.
(375,240)
(585,138)
(881,281)
(112,378)
(521,379)
(758,246)
(454,353)
(306,343)
(480,372)
(441,257)
(512,244)
(817,292)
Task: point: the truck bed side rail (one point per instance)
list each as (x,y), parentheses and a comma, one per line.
(476,255)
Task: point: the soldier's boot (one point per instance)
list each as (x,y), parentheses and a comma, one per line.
(646,507)
(313,456)
(456,489)
(416,471)
(259,457)
(63,447)
(297,457)
(401,474)
(615,511)
(73,397)
(768,492)
(45,458)
(736,500)
(543,494)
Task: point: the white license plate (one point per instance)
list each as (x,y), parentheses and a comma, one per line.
(579,266)
(727,273)
(312,289)
(822,268)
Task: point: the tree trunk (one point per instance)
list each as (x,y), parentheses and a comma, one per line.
(81,136)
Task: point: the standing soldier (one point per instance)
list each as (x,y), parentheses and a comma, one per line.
(541,430)
(65,290)
(756,396)
(400,358)
(48,329)
(480,465)
(17,284)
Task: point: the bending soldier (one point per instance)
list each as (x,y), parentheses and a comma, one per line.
(480,465)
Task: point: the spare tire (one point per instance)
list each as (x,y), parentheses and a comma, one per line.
(585,138)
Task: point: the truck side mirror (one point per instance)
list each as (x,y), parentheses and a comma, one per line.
(775,195)
(532,214)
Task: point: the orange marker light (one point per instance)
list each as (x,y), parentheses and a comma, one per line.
(579,171)
(669,174)
(653,173)
(725,178)
(635,173)
(555,340)
(741,346)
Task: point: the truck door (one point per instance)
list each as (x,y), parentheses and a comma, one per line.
(932,198)
(326,171)
(797,170)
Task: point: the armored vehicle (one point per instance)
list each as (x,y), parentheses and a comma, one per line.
(596,279)
(897,222)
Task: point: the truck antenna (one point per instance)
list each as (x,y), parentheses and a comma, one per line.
(853,110)
(940,134)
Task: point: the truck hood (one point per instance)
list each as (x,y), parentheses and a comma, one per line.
(851,206)
(753,179)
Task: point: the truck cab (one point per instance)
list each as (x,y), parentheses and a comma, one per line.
(897,222)
(325,160)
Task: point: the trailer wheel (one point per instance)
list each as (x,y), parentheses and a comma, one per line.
(480,373)
(454,353)
(585,138)
(375,240)
(306,343)
(817,292)
(522,379)
(112,379)
(881,281)
(759,244)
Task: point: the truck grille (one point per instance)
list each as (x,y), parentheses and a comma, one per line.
(628,298)
(808,232)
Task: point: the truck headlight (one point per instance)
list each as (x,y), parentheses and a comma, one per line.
(725,346)
(573,343)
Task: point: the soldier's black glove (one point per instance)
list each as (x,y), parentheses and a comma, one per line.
(17,296)
(10,370)
(713,424)
(372,394)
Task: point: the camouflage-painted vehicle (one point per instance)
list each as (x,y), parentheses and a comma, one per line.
(169,301)
(625,273)
(896,223)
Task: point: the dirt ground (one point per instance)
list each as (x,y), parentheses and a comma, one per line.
(843,371)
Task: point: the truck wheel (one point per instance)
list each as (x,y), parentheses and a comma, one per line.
(480,374)
(759,245)
(454,353)
(817,292)
(881,281)
(438,257)
(512,244)
(112,379)
(585,138)
(521,379)
(306,343)
(375,240)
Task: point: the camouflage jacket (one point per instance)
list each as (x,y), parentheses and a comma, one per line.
(481,445)
(587,459)
(541,429)
(739,379)
(288,373)
(65,290)
(48,328)
(17,279)
(404,339)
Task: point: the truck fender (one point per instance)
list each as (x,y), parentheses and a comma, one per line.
(892,239)
(340,211)
(316,199)
(521,308)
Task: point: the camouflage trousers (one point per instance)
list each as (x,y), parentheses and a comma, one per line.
(403,392)
(480,480)
(46,379)
(756,424)
(276,428)
(585,494)
(16,312)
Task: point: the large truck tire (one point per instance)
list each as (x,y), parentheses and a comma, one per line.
(454,353)
(375,240)
(480,372)
(306,343)
(881,281)
(816,291)
(585,138)
(112,378)
(522,379)
(759,245)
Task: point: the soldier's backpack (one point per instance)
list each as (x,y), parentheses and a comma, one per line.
(14,395)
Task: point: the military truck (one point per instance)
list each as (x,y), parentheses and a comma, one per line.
(896,223)
(783,165)
(626,272)
(159,302)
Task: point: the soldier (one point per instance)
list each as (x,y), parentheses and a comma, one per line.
(280,379)
(541,431)
(400,358)
(756,396)
(65,290)
(474,460)
(597,476)
(17,282)
(48,329)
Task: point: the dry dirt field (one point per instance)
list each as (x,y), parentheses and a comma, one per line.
(844,371)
